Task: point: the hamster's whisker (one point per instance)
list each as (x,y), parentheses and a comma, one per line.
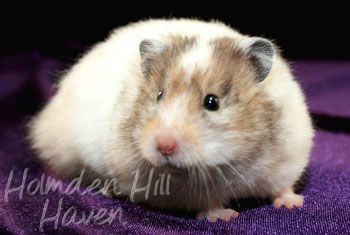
(221,174)
(235,174)
(208,173)
(189,173)
(204,179)
(197,185)
(194,175)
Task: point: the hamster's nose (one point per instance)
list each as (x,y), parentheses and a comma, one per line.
(166,145)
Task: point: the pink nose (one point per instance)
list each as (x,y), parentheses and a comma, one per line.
(166,145)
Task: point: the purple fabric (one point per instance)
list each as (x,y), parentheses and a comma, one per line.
(25,85)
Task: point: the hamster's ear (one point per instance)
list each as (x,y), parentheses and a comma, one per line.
(260,51)
(149,49)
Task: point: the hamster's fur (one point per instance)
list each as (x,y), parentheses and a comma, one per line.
(106,116)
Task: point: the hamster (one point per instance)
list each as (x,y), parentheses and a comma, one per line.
(218,110)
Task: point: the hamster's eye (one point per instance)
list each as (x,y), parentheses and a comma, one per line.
(159,96)
(211,102)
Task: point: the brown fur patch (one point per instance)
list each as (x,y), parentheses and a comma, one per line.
(165,62)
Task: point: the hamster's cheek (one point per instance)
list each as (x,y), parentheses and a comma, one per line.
(219,147)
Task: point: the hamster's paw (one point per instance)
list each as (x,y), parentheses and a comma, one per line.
(219,213)
(288,199)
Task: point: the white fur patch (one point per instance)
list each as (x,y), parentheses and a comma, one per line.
(170,113)
(198,58)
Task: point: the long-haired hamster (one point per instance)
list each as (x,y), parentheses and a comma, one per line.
(217,110)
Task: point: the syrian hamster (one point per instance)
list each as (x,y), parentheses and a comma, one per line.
(217,110)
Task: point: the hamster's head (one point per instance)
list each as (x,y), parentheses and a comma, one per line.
(202,101)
